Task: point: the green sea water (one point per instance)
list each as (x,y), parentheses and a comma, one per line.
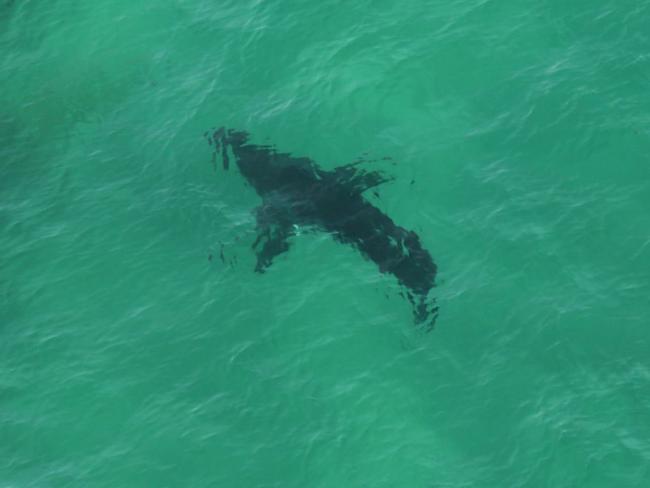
(132,355)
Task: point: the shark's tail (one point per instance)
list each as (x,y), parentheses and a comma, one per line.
(218,138)
(221,138)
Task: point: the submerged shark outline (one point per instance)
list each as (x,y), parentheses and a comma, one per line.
(296,193)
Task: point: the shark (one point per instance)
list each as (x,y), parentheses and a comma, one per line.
(297,193)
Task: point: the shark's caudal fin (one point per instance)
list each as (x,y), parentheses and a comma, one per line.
(220,138)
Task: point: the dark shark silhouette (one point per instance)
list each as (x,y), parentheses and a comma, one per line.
(296,192)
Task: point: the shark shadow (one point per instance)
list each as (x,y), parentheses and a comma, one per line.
(296,192)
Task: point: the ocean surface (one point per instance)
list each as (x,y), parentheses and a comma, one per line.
(138,347)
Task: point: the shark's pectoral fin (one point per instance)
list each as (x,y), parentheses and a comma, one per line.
(360,179)
(268,245)
(273,233)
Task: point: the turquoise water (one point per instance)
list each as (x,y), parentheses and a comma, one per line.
(129,358)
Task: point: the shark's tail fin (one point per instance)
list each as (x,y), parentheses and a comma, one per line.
(218,138)
(221,138)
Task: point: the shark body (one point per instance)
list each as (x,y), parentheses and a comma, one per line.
(297,193)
